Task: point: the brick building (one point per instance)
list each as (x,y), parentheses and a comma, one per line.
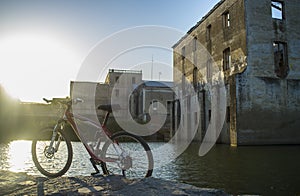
(256,44)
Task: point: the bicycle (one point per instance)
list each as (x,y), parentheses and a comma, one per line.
(52,151)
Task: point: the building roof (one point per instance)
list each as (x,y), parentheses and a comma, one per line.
(198,23)
(158,84)
(123,71)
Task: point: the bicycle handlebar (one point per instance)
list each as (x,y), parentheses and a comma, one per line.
(47,100)
(65,102)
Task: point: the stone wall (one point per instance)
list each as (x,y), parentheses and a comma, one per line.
(268,106)
(213,38)
(262,80)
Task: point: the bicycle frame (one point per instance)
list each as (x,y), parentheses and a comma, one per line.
(69,118)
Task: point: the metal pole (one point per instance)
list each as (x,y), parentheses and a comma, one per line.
(152,68)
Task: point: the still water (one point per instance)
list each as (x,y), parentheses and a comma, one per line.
(266,170)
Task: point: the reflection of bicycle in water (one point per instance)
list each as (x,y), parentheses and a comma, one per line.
(121,153)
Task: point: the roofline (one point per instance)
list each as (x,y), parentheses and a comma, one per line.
(198,23)
(159,81)
(125,71)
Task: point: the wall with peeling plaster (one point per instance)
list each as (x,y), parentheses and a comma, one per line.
(262,108)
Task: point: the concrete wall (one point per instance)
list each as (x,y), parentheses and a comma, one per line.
(148,94)
(121,85)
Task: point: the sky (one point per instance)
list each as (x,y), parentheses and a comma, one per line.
(43,44)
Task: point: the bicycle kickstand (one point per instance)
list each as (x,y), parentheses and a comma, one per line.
(95,167)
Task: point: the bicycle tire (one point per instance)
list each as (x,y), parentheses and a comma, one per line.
(51,164)
(141,157)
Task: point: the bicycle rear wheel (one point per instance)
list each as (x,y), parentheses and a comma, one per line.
(128,155)
(55,160)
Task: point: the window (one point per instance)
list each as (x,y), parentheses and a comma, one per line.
(183,69)
(209,69)
(226,19)
(281,67)
(154,104)
(196,117)
(183,52)
(195,72)
(183,59)
(133,80)
(208,33)
(195,51)
(195,44)
(228,114)
(277,8)
(117,79)
(226,59)
(117,92)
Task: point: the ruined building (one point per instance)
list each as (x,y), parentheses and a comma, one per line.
(256,45)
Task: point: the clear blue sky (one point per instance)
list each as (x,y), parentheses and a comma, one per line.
(72,28)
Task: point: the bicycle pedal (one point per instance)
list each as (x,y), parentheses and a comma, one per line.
(95,174)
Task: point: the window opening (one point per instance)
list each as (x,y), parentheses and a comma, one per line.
(194,44)
(228,114)
(183,59)
(117,92)
(208,33)
(154,104)
(209,69)
(277,10)
(280,59)
(226,59)
(226,20)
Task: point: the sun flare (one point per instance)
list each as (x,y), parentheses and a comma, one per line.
(33,66)
(18,155)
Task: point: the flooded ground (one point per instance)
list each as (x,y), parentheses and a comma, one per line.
(266,170)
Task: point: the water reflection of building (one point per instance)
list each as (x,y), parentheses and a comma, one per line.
(255,43)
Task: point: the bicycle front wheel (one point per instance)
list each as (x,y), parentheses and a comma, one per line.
(52,160)
(128,155)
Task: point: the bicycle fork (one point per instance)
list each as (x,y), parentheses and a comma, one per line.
(54,149)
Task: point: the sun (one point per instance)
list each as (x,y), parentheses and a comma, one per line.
(35,66)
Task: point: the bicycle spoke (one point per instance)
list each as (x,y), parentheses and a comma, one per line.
(134,156)
(50,161)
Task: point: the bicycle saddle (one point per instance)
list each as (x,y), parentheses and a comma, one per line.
(109,107)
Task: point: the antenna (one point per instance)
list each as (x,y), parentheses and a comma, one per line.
(152,68)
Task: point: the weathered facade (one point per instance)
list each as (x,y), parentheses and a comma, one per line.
(121,85)
(118,84)
(150,96)
(256,44)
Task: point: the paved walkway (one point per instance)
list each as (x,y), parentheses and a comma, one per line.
(23,184)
